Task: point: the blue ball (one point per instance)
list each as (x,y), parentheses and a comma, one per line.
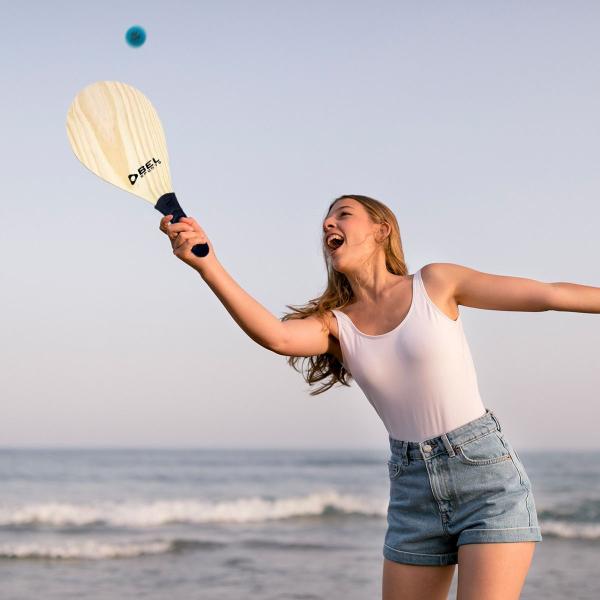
(135,36)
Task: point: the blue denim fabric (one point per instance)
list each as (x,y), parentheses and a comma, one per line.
(466,486)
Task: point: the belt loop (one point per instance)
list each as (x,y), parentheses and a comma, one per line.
(404,452)
(495,420)
(447,445)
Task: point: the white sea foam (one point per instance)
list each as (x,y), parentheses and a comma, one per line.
(569,529)
(153,513)
(145,513)
(89,549)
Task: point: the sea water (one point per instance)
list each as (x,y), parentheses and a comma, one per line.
(271,524)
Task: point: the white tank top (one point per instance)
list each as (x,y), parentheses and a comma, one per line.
(419,377)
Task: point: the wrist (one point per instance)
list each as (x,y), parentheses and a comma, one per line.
(207,266)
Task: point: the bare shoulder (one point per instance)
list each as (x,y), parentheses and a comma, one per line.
(333,346)
(440,281)
(443,274)
(328,320)
(438,271)
(331,323)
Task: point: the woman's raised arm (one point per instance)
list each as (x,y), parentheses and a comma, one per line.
(258,323)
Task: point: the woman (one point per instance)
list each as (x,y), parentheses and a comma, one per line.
(458,490)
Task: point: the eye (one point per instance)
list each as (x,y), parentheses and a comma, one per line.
(344,213)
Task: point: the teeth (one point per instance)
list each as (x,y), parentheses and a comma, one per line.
(333,238)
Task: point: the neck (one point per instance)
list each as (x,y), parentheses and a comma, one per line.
(373,284)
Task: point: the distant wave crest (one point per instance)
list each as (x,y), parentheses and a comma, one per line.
(89,549)
(578,522)
(93,549)
(162,512)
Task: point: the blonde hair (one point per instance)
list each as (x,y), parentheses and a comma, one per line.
(338,294)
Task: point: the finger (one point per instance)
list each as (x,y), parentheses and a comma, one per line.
(172,230)
(181,237)
(164,222)
(191,237)
(181,227)
(194,225)
(191,221)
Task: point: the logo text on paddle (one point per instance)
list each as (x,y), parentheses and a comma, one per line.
(143,170)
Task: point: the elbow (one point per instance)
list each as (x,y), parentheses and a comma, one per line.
(277,350)
(554,297)
(278,347)
(549,300)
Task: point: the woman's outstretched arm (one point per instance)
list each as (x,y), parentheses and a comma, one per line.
(500,292)
(260,325)
(575,297)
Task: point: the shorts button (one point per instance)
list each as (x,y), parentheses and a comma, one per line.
(427,448)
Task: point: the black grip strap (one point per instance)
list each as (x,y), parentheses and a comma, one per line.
(169,205)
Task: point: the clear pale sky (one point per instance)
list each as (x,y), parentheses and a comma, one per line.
(477,123)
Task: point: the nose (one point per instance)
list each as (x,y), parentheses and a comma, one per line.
(327,224)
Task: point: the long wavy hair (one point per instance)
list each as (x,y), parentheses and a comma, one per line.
(338,294)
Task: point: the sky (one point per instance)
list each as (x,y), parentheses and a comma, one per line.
(477,123)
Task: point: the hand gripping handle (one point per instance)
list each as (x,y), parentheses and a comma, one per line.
(168,205)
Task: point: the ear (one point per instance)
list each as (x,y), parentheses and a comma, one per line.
(384,231)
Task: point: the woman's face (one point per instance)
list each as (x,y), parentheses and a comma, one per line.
(349,219)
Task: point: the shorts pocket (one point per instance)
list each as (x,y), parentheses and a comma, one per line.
(487,449)
(517,462)
(394,468)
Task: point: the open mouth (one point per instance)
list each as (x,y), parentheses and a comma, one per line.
(334,241)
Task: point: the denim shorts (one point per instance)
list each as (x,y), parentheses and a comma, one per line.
(466,486)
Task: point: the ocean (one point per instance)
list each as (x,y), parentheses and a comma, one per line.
(220,524)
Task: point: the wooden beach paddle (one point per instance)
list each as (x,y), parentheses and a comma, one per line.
(115,132)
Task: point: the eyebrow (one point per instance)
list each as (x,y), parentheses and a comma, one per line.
(340,208)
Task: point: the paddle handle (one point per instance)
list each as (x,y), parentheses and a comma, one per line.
(168,205)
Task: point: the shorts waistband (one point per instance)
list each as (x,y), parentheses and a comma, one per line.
(446,442)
